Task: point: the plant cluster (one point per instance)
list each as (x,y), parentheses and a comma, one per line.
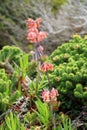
(70,71)
(12,54)
(7,96)
(35,36)
(60,81)
(12,122)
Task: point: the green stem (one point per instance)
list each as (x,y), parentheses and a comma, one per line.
(54,123)
(53,117)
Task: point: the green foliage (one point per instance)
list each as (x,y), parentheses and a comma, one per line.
(30,118)
(79,92)
(65,123)
(32,72)
(28,67)
(6,95)
(24,64)
(36,86)
(12,122)
(12,54)
(70,71)
(43,113)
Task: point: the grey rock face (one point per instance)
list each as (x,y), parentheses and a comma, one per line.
(70,19)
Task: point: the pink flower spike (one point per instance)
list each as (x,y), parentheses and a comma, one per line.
(46,96)
(34,35)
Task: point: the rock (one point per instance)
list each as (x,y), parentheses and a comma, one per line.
(61,25)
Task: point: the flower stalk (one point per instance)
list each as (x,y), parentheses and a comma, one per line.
(53,117)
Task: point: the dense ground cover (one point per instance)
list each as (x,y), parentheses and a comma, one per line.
(40,92)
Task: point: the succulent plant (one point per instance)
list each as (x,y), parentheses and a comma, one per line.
(12,122)
(11,53)
(7,96)
(70,71)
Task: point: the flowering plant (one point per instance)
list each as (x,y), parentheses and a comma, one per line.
(51,98)
(34,35)
(33,23)
(48,96)
(46,67)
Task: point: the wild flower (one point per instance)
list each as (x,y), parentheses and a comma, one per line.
(54,93)
(35,30)
(41,35)
(46,96)
(49,96)
(46,67)
(33,34)
(33,23)
(32,37)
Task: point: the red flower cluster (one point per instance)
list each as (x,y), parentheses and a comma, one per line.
(50,96)
(34,36)
(46,67)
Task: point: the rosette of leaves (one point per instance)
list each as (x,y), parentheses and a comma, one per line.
(7,96)
(70,71)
